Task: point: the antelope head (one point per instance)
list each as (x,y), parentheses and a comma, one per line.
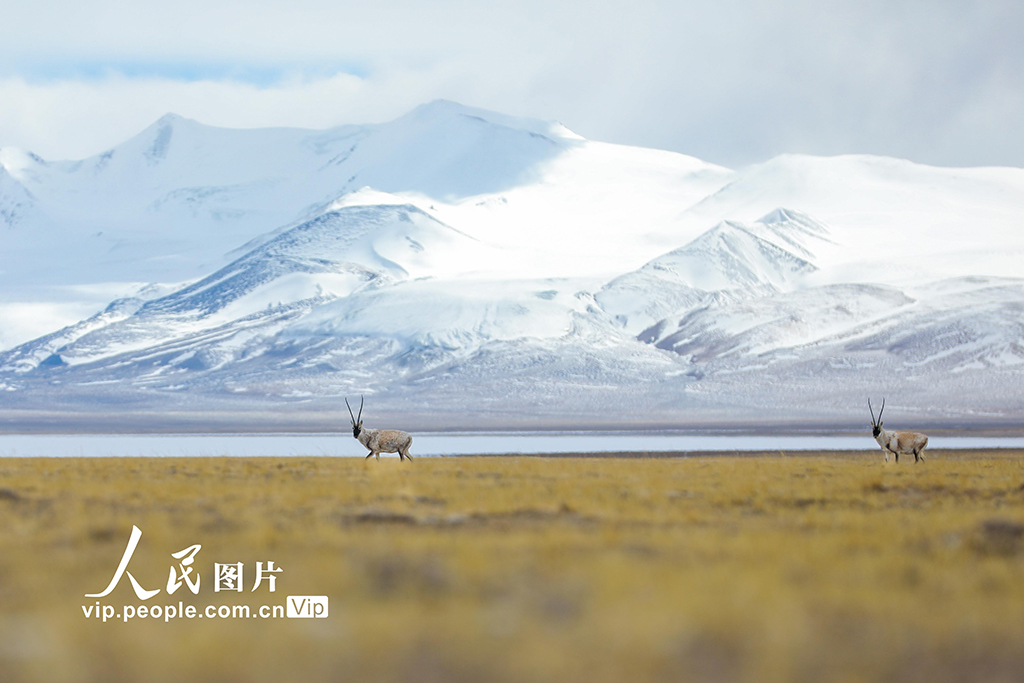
(876,423)
(357,422)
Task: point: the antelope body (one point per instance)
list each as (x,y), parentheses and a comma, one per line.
(379,440)
(896,442)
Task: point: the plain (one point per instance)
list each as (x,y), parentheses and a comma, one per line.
(817,567)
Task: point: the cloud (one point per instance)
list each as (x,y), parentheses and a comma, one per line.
(74,119)
(733,81)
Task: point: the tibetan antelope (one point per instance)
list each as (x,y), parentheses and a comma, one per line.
(378,440)
(896,442)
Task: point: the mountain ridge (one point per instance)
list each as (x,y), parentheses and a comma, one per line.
(492,260)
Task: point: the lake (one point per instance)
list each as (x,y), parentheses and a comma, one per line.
(443,444)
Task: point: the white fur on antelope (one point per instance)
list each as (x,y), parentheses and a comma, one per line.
(379,440)
(896,442)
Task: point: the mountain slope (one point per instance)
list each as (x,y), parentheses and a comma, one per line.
(950,356)
(876,206)
(475,270)
(176,202)
(728,262)
(333,255)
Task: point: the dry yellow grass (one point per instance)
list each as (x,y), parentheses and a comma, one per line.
(810,568)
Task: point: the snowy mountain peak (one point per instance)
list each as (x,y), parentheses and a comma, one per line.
(332,254)
(733,255)
(731,260)
(794,231)
(783,216)
(366,196)
(170,129)
(170,119)
(441,109)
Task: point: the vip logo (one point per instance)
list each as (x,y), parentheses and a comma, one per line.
(307,607)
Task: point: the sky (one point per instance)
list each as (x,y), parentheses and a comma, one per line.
(730,81)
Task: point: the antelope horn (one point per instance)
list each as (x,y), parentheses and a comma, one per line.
(350,412)
(880,411)
(873,421)
(358,419)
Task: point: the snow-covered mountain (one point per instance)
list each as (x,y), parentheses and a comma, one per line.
(180,199)
(466,269)
(728,262)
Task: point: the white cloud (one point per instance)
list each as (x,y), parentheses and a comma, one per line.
(732,81)
(74,119)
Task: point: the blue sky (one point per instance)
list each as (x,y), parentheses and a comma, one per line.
(43,72)
(731,81)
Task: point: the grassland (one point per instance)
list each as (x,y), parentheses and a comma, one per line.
(812,568)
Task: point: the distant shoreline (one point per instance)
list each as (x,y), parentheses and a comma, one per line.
(317,423)
(428,445)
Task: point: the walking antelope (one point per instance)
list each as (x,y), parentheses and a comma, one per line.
(378,440)
(896,442)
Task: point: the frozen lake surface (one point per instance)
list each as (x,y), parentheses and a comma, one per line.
(439,444)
